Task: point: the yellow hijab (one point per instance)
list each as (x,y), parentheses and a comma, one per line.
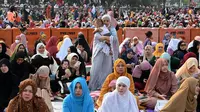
(115,66)
(183,71)
(61,42)
(183,100)
(156,52)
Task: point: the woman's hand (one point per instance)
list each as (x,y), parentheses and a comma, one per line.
(162,97)
(129,65)
(105,38)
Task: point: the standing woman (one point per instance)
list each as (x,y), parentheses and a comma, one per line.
(161,83)
(121,99)
(27,100)
(8,84)
(185,97)
(148,38)
(79,99)
(23,37)
(42,80)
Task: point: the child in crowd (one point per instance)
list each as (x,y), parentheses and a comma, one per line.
(83,53)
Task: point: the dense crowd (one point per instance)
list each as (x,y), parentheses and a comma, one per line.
(129,77)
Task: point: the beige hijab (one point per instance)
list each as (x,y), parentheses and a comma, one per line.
(183,71)
(183,100)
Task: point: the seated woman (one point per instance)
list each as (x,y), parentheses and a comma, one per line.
(187,56)
(181,51)
(20,67)
(80,96)
(137,46)
(141,74)
(157,53)
(27,100)
(8,84)
(18,48)
(185,97)
(131,59)
(148,53)
(42,57)
(3,50)
(42,80)
(121,99)
(173,62)
(161,84)
(125,45)
(120,69)
(188,69)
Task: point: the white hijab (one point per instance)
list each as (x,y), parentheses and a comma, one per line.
(114,102)
(44,55)
(122,44)
(63,49)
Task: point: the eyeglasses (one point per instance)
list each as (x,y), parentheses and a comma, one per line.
(183,44)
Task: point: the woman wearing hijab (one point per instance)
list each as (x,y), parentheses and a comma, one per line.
(41,39)
(121,99)
(137,46)
(148,53)
(131,59)
(52,47)
(181,51)
(148,39)
(63,49)
(141,74)
(120,69)
(27,100)
(157,53)
(20,67)
(3,50)
(125,45)
(17,41)
(161,84)
(73,49)
(23,37)
(195,48)
(81,40)
(185,97)
(187,56)
(42,80)
(61,42)
(42,57)
(197,38)
(8,84)
(173,62)
(188,69)
(18,48)
(79,99)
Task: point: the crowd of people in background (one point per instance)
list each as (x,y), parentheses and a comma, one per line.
(129,77)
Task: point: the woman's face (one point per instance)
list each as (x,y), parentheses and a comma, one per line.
(165,67)
(147,50)
(135,41)
(197,89)
(121,88)
(183,46)
(65,65)
(130,55)
(27,93)
(192,69)
(4,68)
(74,60)
(69,51)
(78,90)
(120,68)
(106,22)
(21,48)
(41,49)
(160,48)
(20,61)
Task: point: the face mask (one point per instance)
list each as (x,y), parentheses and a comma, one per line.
(16,41)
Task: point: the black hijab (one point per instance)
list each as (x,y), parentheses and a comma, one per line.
(82,41)
(179,53)
(3,52)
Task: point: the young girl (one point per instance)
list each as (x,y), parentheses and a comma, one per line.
(83,53)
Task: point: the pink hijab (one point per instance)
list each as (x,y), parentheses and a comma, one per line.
(113,20)
(139,47)
(137,72)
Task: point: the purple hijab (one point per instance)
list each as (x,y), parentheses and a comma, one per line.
(137,71)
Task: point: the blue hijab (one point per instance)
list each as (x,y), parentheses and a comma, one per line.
(168,58)
(73,103)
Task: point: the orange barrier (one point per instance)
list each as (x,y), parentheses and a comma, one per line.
(140,33)
(6,36)
(32,35)
(183,32)
(90,35)
(194,32)
(72,32)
